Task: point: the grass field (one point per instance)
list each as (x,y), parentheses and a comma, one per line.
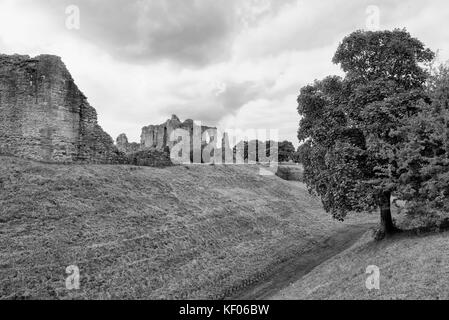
(411,267)
(147,233)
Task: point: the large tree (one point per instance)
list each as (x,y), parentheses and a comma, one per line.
(351,125)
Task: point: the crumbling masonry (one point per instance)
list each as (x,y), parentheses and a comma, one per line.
(45,117)
(157,137)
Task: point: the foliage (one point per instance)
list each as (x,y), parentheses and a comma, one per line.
(351,126)
(251,149)
(150,158)
(286,151)
(424,159)
(296,157)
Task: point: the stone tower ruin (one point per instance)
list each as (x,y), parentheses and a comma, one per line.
(45,117)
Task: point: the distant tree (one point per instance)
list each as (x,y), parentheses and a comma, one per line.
(351,125)
(254,149)
(296,156)
(286,151)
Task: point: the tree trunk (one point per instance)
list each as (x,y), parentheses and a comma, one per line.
(385,213)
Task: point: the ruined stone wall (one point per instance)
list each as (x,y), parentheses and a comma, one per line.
(126,147)
(158,136)
(45,117)
(135,155)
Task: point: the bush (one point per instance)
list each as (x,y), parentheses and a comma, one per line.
(150,158)
(290,173)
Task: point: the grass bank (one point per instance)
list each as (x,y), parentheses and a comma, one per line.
(147,233)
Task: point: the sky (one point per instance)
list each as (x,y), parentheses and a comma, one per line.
(235,64)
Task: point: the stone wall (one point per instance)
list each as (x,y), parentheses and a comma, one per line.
(158,136)
(45,117)
(155,146)
(126,147)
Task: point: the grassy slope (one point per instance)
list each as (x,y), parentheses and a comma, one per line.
(134,232)
(410,268)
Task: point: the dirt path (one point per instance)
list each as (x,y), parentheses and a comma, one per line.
(293,270)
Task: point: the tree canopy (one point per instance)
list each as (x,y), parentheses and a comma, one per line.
(352,126)
(286,151)
(424,159)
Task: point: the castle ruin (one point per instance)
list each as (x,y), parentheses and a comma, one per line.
(45,117)
(157,137)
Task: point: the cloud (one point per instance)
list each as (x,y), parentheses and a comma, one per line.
(189,32)
(193,33)
(231,63)
(216,100)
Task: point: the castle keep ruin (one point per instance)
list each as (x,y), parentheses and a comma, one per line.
(45,117)
(157,137)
